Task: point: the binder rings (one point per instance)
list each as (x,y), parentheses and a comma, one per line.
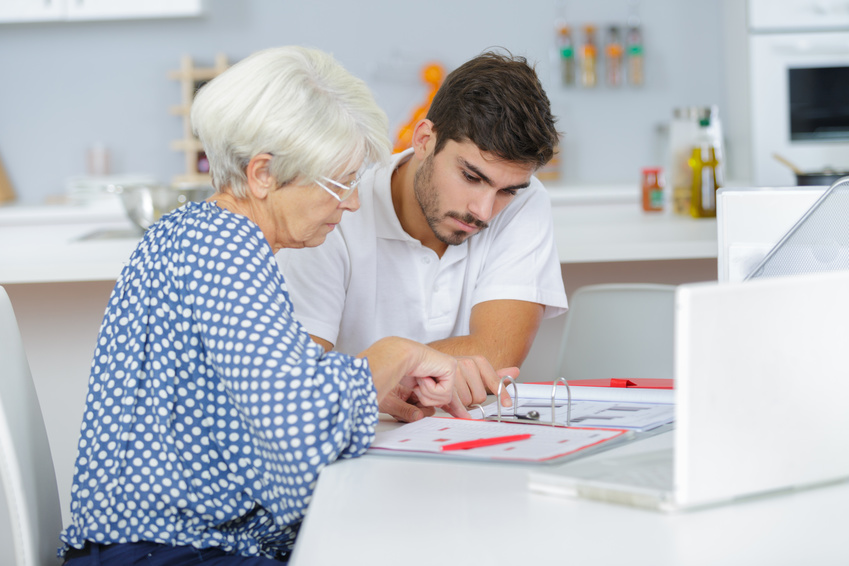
(616,407)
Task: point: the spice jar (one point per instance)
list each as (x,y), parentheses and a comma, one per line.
(653,189)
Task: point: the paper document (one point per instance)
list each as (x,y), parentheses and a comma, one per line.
(598,414)
(429,435)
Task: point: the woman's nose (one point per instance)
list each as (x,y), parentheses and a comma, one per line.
(351,203)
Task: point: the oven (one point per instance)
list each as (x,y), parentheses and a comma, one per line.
(799,63)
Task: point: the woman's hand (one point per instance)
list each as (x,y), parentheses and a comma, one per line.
(418,371)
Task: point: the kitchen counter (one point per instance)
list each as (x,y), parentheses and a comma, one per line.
(52,244)
(92,242)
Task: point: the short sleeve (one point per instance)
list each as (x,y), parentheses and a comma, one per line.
(519,259)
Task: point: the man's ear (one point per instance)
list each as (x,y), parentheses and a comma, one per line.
(260,180)
(424,138)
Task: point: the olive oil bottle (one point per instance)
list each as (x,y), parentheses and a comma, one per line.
(704,165)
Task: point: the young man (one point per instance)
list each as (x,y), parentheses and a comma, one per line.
(453,244)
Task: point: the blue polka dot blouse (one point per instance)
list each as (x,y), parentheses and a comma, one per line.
(210,411)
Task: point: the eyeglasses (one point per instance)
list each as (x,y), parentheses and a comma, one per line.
(340,191)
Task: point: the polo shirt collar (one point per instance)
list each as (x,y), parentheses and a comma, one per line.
(387,224)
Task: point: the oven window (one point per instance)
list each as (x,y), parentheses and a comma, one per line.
(819,103)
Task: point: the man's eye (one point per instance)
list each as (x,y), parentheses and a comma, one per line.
(511,192)
(470,178)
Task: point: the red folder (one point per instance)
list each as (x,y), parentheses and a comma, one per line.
(640,383)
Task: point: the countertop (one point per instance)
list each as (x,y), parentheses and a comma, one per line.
(91,242)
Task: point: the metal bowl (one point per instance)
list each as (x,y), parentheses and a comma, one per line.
(146,203)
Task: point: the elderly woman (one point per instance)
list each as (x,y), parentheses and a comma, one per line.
(210,411)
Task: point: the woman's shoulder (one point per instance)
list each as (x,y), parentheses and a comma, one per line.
(205,220)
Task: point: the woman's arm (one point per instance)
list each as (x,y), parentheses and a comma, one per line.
(430,374)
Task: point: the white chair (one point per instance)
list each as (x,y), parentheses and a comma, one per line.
(619,331)
(32,512)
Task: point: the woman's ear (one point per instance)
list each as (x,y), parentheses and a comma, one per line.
(260,180)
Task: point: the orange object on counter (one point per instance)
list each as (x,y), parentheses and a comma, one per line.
(432,74)
(652,189)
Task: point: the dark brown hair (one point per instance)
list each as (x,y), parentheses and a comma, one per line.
(497,102)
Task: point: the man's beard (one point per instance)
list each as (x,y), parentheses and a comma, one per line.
(428,198)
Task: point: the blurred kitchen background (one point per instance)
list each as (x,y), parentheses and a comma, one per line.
(73,89)
(88,87)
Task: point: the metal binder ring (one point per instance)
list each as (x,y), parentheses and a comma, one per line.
(478,406)
(515,396)
(568,402)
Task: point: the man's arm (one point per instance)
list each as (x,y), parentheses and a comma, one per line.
(500,335)
(322,342)
(502,332)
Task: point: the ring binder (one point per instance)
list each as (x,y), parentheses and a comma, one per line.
(468,438)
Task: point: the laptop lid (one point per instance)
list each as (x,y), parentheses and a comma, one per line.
(762,382)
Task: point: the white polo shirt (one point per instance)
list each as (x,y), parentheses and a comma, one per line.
(370,279)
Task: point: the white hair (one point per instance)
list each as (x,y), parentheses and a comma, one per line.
(297,104)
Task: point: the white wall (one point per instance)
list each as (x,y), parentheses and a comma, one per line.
(64,86)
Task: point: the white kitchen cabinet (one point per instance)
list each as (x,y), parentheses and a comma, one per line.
(116,9)
(785,15)
(81,10)
(31,10)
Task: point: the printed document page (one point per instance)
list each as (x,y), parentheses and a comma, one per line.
(430,434)
(598,414)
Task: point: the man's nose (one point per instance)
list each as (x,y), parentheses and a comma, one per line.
(483,205)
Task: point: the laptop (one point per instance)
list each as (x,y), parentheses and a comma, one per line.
(761,393)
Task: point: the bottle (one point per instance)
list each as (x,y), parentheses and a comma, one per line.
(704,165)
(613,51)
(635,55)
(567,55)
(718,140)
(683,135)
(589,55)
(653,189)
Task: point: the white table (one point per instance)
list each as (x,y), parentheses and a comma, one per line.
(411,510)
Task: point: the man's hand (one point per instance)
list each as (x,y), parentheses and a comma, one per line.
(475,376)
